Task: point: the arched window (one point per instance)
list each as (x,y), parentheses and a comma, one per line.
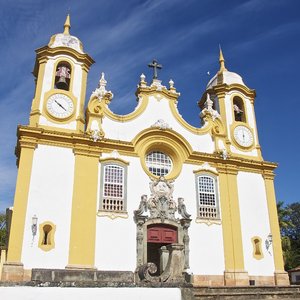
(46,239)
(257,251)
(113,188)
(207,200)
(239,110)
(63,76)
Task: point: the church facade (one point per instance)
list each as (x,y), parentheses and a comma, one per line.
(146,192)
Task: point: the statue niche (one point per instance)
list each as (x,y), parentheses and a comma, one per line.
(162,239)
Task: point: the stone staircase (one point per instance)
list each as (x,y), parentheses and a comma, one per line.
(241,293)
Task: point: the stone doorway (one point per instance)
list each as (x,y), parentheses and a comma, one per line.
(162,237)
(158,237)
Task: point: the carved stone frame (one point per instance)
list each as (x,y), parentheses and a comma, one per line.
(143,222)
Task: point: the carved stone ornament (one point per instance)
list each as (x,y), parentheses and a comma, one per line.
(160,203)
(97,135)
(208,109)
(161,208)
(161,124)
(100,92)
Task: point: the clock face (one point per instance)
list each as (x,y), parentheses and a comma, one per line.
(243,136)
(60,106)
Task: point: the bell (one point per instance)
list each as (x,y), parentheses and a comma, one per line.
(61,83)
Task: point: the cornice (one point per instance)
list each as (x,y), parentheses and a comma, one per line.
(32,136)
(45,51)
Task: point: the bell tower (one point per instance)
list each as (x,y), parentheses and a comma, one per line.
(234,101)
(60,71)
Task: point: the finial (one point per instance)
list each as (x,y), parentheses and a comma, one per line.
(67,25)
(222,61)
(102,81)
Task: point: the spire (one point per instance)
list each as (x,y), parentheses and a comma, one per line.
(222,61)
(67,25)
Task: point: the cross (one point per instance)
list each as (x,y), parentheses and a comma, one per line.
(155,65)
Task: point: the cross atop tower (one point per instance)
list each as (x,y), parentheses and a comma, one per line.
(155,65)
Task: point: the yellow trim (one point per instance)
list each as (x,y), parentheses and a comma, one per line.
(232,235)
(166,141)
(46,51)
(235,143)
(257,250)
(20,202)
(80,119)
(84,208)
(72,66)
(112,215)
(114,160)
(77,141)
(35,107)
(97,109)
(200,171)
(47,114)
(51,243)
(273,219)
(241,96)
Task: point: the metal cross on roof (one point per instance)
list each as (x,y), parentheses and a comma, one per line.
(155,65)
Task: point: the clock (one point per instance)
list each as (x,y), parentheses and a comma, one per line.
(243,136)
(60,106)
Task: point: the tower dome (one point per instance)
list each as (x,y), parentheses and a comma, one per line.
(65,39)
(224,76)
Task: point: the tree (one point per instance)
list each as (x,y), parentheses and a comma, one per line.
(2,230)
(289,222)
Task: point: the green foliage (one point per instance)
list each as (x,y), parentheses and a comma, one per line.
(2,230)
(289,222)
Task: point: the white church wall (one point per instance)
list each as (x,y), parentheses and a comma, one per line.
(158,108)
(254,222)
(50,199)
(206,241)
(116,239)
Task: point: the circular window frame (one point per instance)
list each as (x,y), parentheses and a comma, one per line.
(169,167)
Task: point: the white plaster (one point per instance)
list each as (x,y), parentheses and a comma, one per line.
(46,122)
(228,78)
(69,293)
(47,80)
(95,125)
(254,222)
(116,239)
(50,199)
(128,130)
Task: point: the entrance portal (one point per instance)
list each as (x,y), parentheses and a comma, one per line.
(159,235)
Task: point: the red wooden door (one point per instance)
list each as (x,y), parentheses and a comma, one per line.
(162,235)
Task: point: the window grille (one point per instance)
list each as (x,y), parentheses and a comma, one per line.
(113,198)
(207,197)
(158,163)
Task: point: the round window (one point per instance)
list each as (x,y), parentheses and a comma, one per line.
(158,163)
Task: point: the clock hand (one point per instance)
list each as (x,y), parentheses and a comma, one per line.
(60,105)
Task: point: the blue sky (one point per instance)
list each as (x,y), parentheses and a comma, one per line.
(260,41)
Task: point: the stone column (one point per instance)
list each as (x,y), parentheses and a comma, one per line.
(185,223)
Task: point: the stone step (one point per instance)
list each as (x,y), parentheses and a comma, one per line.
(246,293)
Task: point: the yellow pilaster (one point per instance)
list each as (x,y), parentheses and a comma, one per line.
(20,202)
(80,118)
(84,209)
(35,109)
(231,225)
(281,277)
